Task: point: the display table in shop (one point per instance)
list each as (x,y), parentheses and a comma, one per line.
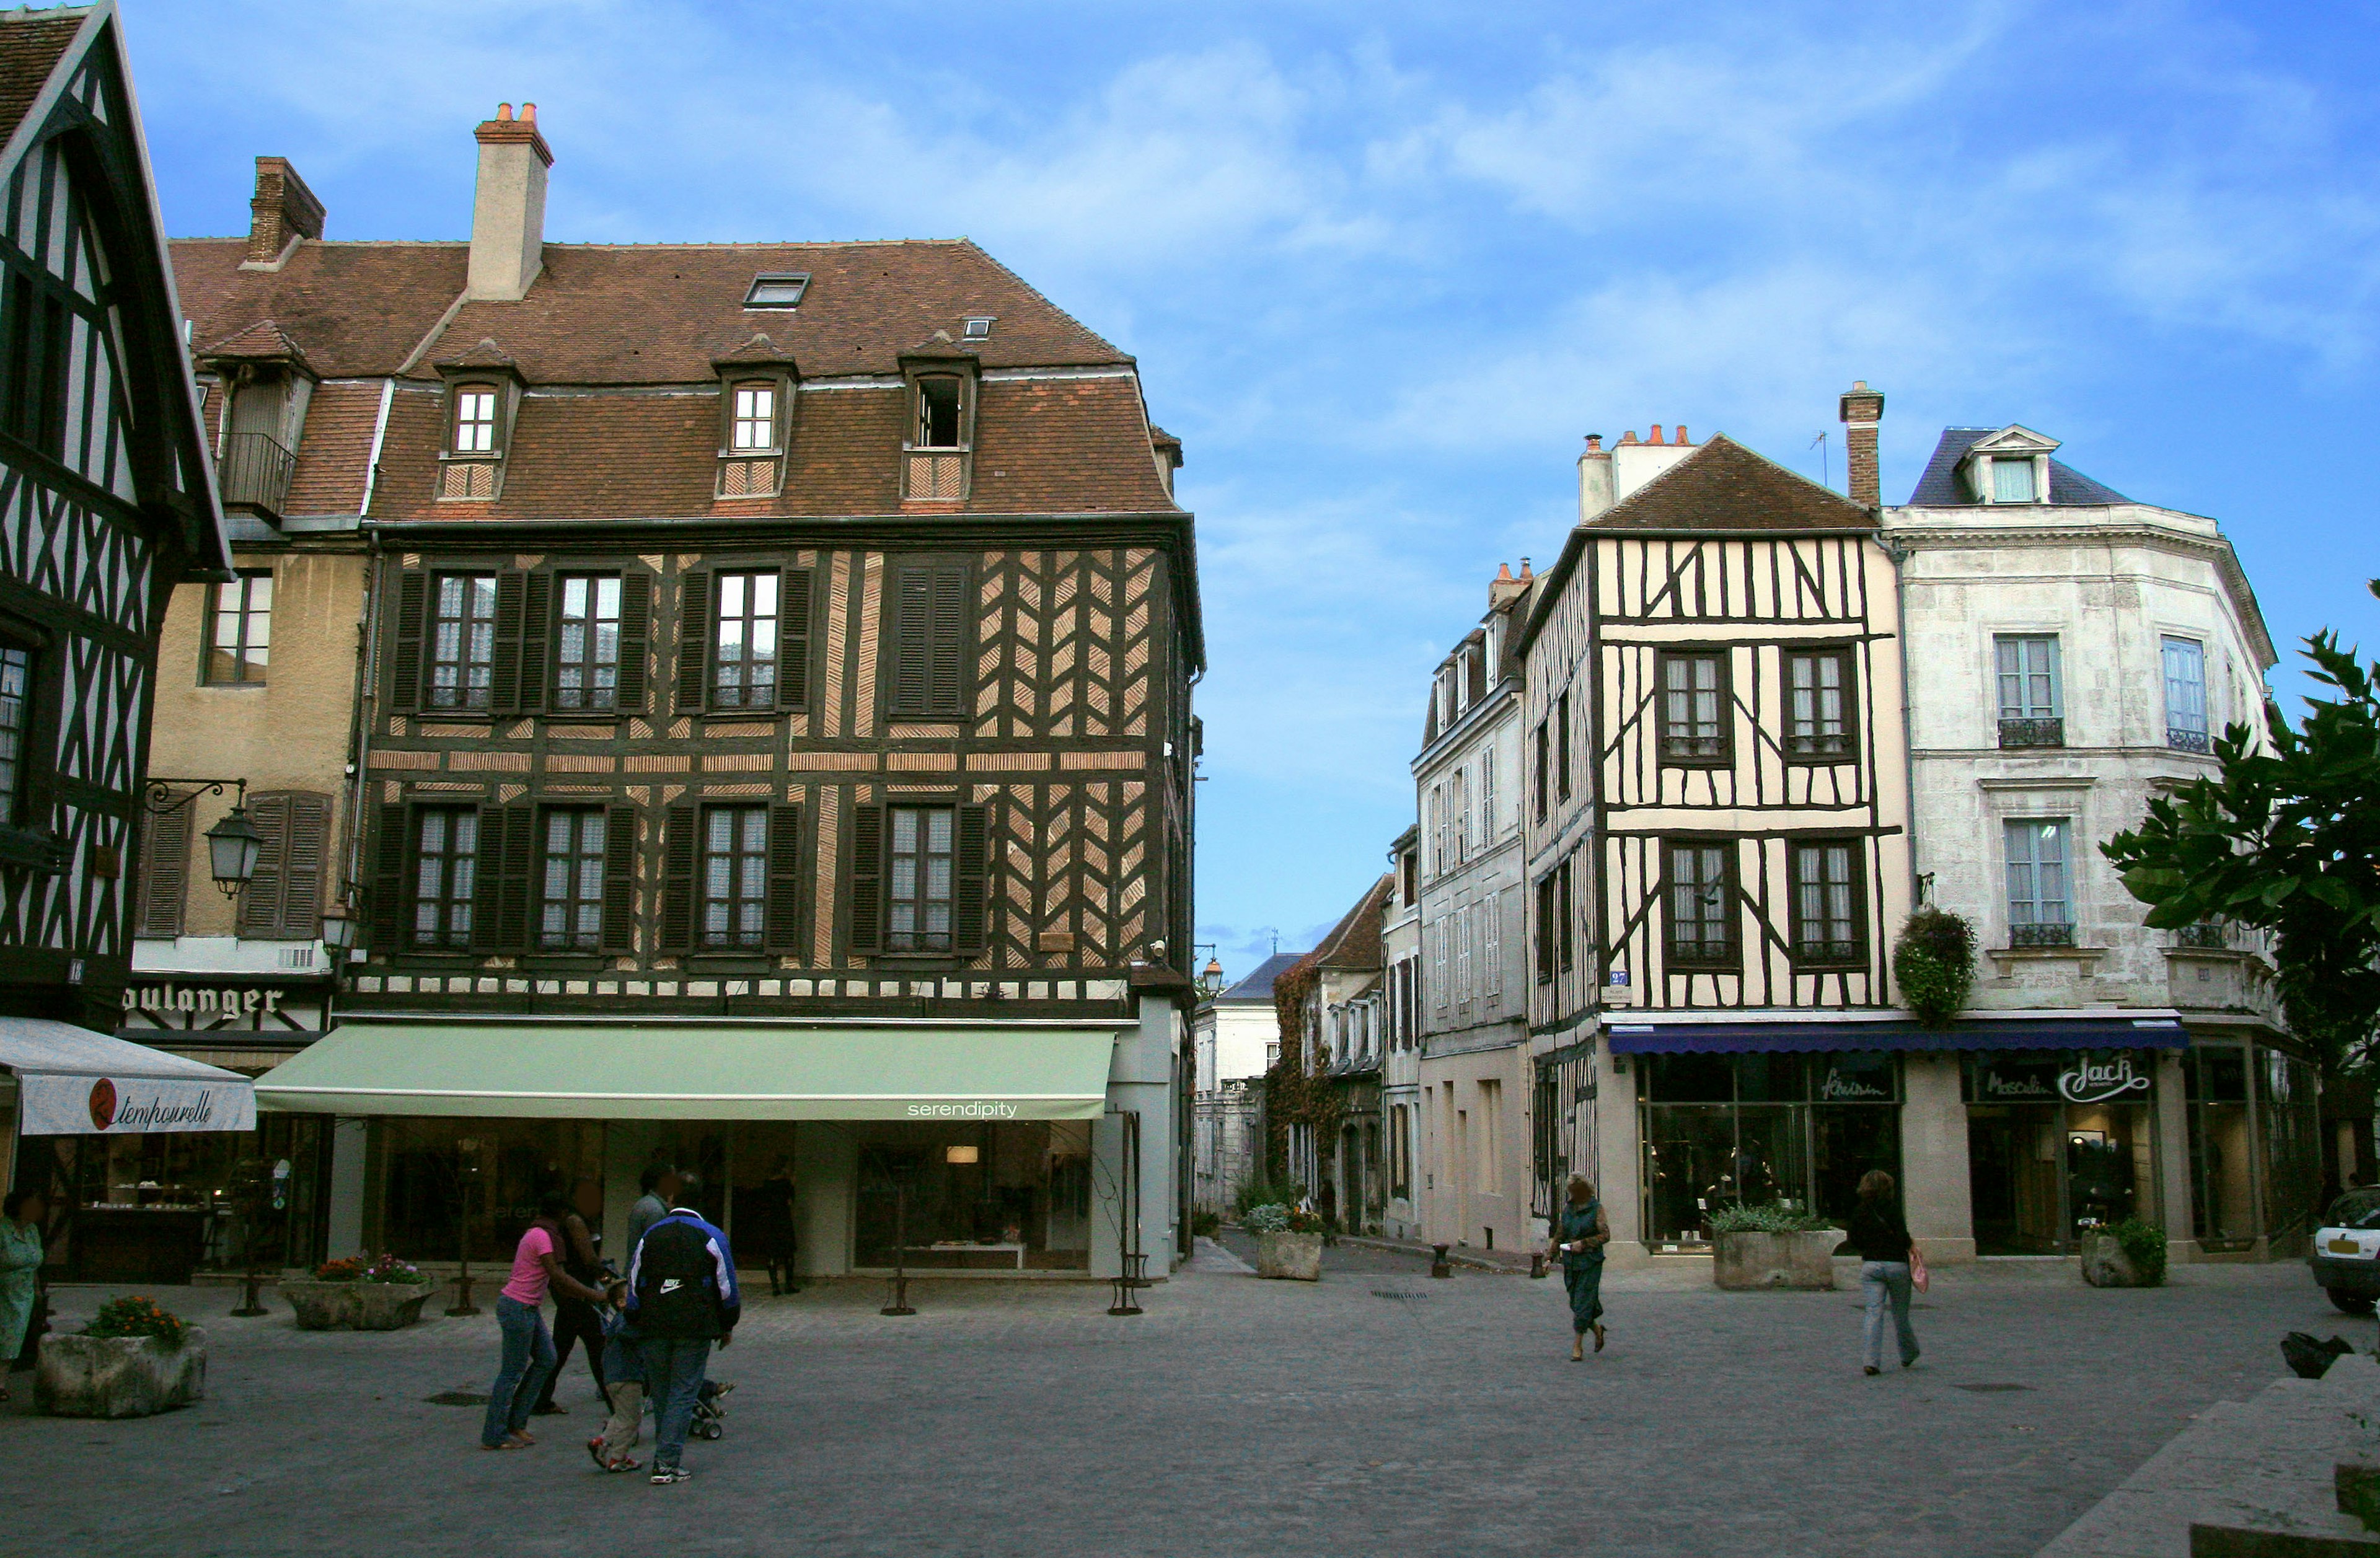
(954,1251)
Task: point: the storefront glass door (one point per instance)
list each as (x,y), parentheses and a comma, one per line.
(1795,1130)
(2057,1143)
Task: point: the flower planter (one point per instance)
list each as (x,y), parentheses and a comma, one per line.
(118,1376)
(2105,1264)
(1295,1257)
(356,1305)
(1744,1261)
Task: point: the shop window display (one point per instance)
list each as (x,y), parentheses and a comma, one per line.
(1012,1195)
(460,1187)
(2059,1143)
(2288,1114)
(2222,1183)
(1728,1129)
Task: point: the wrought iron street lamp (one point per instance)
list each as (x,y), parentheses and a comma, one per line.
(233,845)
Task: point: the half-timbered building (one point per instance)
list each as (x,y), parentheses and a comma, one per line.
(1719,844)
(774,736)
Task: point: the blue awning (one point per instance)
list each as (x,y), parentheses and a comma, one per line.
(1791,1038)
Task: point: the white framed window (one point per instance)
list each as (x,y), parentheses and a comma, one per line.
(474,420)
(2028,675)
(754,425)
(1492,915)
(2012,480)
(2039,893)
(1487,795)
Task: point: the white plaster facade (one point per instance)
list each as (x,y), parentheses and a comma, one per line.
(1400,1052)
(1234,1037)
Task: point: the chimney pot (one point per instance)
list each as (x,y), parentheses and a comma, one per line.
(1595,442)
(1656,438)
(504,110)
(1503,573)
(1525,567)
(1681,434)
(529,113)
(1628,437)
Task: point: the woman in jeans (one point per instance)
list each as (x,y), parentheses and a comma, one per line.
(1883,1242)
(528,1347)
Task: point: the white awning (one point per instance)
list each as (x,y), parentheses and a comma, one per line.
(74,1083)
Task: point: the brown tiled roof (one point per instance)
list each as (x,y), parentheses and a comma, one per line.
(1354,942)
(31,43)
(330,457)
(264,340)
(483,353)
(1724,486)
(358,309)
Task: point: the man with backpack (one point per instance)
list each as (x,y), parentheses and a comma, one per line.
(682,1297)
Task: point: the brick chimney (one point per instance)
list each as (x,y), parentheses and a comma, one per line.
(1862,410)
(283,211)
(508,212)
(1595,498)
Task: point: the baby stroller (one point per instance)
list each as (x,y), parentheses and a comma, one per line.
(710,1410)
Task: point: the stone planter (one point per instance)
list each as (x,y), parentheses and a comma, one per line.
(118,1376)
(1297,1257)
(1742,1262)
(2105,1264)
(356,1305)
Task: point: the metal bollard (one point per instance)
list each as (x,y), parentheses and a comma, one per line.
(1439,1266)
(1537,1263)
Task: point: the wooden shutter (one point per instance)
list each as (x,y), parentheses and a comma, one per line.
(867,878)
(677,879)
(694,644)
(259,902)
(635,634)
(303,865)
(620,875)
(486,879)
(947,677)
(535,637)
(504,661)
(968,909)
(507,852)
(392,850)
(793,641)
(163,884)
(404,690)
(784,902)
(912,603)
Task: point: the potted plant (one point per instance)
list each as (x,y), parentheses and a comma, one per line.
(1288,1241)
(388,1295)
(135,1357)
(325,1302)
(1934,963)
(1774,1246)
(2130,1254)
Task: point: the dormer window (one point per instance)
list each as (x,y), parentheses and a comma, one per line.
(979,328)
(781,290)
(2011,466)
(940,401)
(474,420)
(756,401)
(937,452)
(2012,480)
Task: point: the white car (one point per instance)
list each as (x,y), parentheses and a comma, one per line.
(2346,1255)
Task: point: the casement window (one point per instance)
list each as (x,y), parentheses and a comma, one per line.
(1817,707)
(15,730)
(754,413)
(1437,856)
(37,331)
(744,643)
(1492,981)
(474,420)
(571,897)
(2012,480)
(1829,926)
(283,900)
(445,887)
(1702,904)
(1537,762)
(2185,694)
(2041,911)
(462,641)
(162,889)
(1439,984)
(2031,709)
(1459,803)
(239,641)
(942,399)
(1487,796)
(734,877)
(1548,927)
(919,878)
(1566,943)
(1561,748)
(936,448)
(744,652)
(586,643)
(932,641)
(1693,707)
(752,429)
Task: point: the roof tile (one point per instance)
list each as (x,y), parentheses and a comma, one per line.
(1724,486)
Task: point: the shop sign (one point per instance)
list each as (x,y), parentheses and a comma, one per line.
(2090,1080)
(176,998)
(2022,1081)
(1838,1088)
(132,1105)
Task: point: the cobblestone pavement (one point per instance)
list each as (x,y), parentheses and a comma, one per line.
(1374,1410)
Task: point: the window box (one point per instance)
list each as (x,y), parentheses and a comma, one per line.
(2032,733)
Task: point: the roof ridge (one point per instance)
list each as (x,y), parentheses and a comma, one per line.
(1713,442)
(1043,298)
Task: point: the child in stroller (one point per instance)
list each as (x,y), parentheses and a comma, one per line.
(710,1410)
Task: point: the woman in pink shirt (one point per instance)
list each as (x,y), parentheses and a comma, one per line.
(529,1345)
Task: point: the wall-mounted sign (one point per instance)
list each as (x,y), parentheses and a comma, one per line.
(2000,1080)
(1842,1086)
(179,998)
(2096,1080)
(2087,1077)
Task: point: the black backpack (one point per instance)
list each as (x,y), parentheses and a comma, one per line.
(2310,1359)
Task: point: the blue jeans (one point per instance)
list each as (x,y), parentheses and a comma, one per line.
(673,1366)
(528,1359)
(1881,1280)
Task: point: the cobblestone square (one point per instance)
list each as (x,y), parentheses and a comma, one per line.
(1378,1410)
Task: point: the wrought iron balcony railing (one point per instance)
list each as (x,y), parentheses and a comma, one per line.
(2032,733)
(2213,933)
(2041,933)
(2182,740)
(255,472)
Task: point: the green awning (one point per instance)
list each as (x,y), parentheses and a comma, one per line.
(698,1071)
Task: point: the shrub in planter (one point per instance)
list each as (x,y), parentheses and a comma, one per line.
(358,1293)
(1772,1246)
(2130,1254)
(350,1269)
(1934,963)
(1288,1241)
(1206,1224)
(135,1359)
(389,1268)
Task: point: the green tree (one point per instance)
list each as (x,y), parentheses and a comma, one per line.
(2288,840)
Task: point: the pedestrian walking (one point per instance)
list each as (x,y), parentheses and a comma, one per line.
(576,1320)
(21,1216)
(1579,1239)
(623,1371)
(682,1298)
(771,1227)
(661,1185)
(1881,1237)
(528,1354)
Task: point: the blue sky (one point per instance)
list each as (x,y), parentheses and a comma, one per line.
(1383,264)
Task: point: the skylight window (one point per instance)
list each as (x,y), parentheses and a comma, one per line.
(979,328)
(778,291)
